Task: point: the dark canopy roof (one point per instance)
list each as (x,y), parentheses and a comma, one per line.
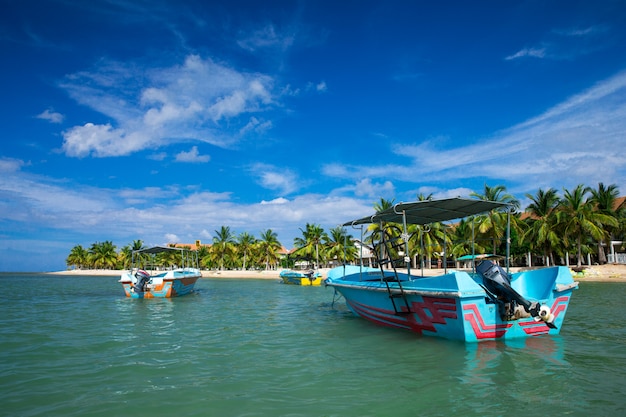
(431,211)
(159,249)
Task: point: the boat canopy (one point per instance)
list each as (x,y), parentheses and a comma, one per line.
(160,249)
(431,211)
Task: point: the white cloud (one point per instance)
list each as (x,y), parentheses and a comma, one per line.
(51,116)
(528,52)
(578,141)
(367,188)
(567,44)
(279,200)
(102,140)
(192,156)
(582,32)
(160,156)
(157,107)
(256,125)
(10,164)
(172,238)
(156,215)
(280,179)
(205,235)
(320,87)
(266,37)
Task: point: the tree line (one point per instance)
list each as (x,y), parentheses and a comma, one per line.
(580,222)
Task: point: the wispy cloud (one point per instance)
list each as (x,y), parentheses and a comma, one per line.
(565,44)
(319,87)
(266,37)
(583,32)
(367,188)
(157,215)
(528,52)
(283,180)
(10,164)
(199,100)
(51,116)
(571,143)
(192,156)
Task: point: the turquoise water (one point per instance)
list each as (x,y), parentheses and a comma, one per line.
(75,346)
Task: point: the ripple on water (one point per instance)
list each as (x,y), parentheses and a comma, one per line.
(257,348)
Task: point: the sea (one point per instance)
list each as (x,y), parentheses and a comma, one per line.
(76,346)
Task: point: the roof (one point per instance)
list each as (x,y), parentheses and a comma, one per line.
(431,211)
(159,249)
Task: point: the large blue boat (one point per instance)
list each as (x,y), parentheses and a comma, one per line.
(484,303)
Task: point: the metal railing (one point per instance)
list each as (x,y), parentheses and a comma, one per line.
(618,258)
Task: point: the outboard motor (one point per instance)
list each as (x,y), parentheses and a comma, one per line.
(498,284)
(142,279)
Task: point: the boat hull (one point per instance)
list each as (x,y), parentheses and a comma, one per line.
(454,305)
(298,278)
(305,281)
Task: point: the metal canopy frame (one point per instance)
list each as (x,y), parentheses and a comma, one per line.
(431,211)
(436,211)
(160,249)
(188,257)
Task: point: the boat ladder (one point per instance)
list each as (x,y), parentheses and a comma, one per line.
(388,246)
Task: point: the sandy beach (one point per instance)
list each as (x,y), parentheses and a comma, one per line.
(205,274)
(604,273)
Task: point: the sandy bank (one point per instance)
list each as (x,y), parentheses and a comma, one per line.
(205,274)
(242,274)
(605,273)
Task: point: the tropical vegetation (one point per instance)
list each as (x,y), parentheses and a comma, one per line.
(575,227)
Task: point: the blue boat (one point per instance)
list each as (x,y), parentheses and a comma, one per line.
(484,303)
(147,280)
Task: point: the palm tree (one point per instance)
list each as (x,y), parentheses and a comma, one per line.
(419,233)
(383,204)
(78,257)
(543,232)
(125,256)
(494,223)
(308,245)
(269,247)
(245,243)
(462,239)
(427,240)
(605,200)
(339,244)
(203,253)
(579,219)
(103,255)
(377,229)
(223,245)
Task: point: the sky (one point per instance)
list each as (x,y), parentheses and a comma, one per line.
(163,121)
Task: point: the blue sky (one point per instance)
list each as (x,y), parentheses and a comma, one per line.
(165,120)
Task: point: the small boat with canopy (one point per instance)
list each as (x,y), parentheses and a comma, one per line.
(161,271)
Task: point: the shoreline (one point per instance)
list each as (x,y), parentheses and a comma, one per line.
(594,273)
(205,274)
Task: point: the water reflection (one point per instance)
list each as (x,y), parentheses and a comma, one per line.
(486,362)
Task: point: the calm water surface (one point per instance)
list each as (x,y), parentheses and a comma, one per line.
(75,346)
